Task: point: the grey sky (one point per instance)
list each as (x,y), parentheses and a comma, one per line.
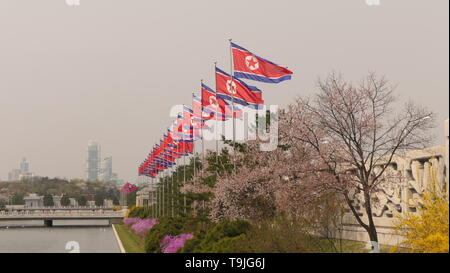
(110,70)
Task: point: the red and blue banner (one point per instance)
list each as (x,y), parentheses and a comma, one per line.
(128,188)
(233,89)
(249,66)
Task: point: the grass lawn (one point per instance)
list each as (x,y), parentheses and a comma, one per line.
(347,246)
(131,242)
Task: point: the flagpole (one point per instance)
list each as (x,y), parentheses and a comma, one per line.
(184,163)
(184,182)
(153,204)
(232,100)
(201,130)
(193,140)
(217,125)
(160,203)
(159,195)
(155,197)
(163,188)
(178,199)
(171,188)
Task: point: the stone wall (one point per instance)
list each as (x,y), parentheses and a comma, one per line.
(400,191)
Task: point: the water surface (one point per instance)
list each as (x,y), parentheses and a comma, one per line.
(55,240)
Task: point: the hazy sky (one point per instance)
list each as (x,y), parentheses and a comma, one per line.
(110,70)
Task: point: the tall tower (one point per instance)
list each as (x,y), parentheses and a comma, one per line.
(93,160)
(106,170)
(24,166)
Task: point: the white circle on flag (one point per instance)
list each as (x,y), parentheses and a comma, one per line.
(251,62)
(193,122)
(231,87)
(213,102)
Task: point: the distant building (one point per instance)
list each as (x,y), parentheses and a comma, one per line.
(93,160)
(143,197)
(14,175)
(106,170)
(24,166)
(33,200)
(22,173)
(90,203)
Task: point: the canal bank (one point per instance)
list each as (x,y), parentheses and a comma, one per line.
(131,242)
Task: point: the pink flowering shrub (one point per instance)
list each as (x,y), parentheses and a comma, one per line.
(142,226)
(130,221)
(171,244)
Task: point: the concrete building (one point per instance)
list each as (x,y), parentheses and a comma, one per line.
(143,197)
(93,161)
(33,200)
(405,181)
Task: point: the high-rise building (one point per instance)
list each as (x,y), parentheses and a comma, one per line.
(14,175)
(23,172)
(106,170)
(93,160)
(24,166)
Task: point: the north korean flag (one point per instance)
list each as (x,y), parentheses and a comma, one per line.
(233,89)
(199,111)
(211,104)
(249,66)
(211,101)
(128,188)
(188,126)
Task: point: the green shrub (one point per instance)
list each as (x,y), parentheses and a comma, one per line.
(219,239)
(226,244)
(285,235)
(165,226)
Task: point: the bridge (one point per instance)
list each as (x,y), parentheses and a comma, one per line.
(23,208)
(48,216)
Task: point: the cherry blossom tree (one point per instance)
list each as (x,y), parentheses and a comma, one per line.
(356,130)
(342,140)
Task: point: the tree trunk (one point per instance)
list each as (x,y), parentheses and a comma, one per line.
(371,229)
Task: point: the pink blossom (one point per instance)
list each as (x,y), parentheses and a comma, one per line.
(171,244)
(130,221)
(143,226)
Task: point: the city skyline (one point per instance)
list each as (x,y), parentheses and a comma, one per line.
(96,167)
(70,74)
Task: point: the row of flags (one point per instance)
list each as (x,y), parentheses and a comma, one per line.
(225,102)
(128,188)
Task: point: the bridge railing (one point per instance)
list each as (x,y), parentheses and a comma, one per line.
(6,214)
(66,208)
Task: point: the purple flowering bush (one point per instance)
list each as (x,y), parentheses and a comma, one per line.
(140,226)
(143,226)
(130,221)
(171,244)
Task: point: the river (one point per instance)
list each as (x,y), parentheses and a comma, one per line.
(58,239)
